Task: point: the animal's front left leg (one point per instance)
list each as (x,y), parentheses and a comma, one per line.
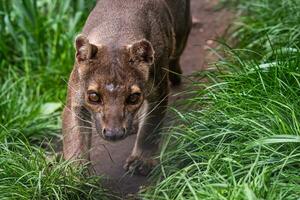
(141,160)
(77,134)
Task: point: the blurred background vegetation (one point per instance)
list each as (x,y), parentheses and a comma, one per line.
(241,140)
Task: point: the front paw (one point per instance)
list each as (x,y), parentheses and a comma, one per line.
(139,165)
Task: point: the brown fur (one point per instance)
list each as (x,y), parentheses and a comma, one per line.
(125,52)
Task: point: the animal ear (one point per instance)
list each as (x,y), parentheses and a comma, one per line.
(142,51)
(84,50)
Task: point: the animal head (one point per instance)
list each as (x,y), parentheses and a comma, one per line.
(113,82)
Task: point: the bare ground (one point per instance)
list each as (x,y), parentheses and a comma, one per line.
(108,158)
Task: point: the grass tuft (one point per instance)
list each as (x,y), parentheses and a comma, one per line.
(242,139)
(36,56)
(27,172)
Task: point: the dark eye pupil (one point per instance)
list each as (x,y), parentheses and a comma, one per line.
(94,97)
(134,98)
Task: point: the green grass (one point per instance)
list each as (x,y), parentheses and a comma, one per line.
(36,56)
(22,111)
(242,139)
(27,173)
(39,38)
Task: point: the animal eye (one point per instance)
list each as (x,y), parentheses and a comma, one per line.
(94,97)
(133,98)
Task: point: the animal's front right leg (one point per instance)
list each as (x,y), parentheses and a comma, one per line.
(77,132)
(141,160)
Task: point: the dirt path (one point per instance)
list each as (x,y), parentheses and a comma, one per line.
(108,158)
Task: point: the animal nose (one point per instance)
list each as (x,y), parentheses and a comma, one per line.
(113,134)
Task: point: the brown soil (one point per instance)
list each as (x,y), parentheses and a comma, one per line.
(209,23)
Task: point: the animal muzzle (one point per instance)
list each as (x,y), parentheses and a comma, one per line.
(113,134)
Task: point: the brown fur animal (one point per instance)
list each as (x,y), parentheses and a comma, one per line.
(127,52)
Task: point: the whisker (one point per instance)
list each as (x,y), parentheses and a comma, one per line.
(84,120)
(148,113)
(186,77)
(85,127)
(72,88)
(85,132)
(69,86)
(149,93)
